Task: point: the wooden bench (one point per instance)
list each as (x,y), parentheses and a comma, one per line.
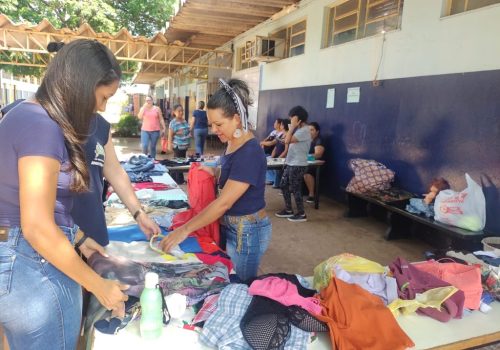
(403,224)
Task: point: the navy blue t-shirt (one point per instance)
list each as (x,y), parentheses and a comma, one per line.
(247,164)
(201,120)
(88,211)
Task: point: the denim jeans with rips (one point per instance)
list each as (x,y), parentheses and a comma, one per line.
(247,238)
(41,307)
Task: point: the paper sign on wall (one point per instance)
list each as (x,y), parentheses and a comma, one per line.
(353,95)
(330,98)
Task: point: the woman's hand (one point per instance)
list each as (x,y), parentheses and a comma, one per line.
(110,295)
(89,247)
(148,226)
(173,239)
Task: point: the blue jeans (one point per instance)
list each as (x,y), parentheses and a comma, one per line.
(247,237)
(41,307)
(200,135)
(149,139)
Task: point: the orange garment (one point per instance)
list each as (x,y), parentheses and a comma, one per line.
(359,320)
(201,192)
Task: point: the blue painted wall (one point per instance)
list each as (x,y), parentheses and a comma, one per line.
(422,127)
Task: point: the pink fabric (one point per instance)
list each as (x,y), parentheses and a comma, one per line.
(284,292)
(151,119)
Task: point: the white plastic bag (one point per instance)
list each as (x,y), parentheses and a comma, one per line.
(465,209)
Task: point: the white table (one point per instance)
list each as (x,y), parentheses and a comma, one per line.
(472,330)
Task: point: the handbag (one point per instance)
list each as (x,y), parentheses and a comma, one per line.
(465,277)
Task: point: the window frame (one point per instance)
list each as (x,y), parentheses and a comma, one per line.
(363,20)
(289,37)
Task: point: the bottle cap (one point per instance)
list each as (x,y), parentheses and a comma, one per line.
(151,280)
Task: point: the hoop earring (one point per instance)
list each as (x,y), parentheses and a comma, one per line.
(237,133)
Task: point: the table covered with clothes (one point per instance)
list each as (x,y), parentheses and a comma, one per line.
(349,303)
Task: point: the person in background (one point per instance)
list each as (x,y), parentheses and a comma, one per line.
(270,141)
(88,211)
(199,125)
(153,126)
(298,139)
(41,272)
(316,150)
(241,204)
(280,150)
(166,119)
(179,135)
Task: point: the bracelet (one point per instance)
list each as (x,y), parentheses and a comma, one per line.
(81,241)
(137,212)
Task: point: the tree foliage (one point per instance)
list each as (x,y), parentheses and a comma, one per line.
(139,17)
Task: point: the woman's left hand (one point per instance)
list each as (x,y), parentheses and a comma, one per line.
(89,247)
(174,238)
(148,226)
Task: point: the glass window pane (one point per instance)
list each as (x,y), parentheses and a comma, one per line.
(345,23)
(298,39)
(387,24)
(457,6)
(346,7)
(298,50)
(383,9)
(299,27)
(475,4)
(344,37)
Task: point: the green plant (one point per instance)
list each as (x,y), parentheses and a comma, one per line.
(128,126)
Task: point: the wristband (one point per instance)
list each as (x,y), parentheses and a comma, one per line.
(137,212)
(81,241)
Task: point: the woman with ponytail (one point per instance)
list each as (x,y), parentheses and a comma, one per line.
(43,166)
(242,174)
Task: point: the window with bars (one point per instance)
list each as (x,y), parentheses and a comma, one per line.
(294,38)
(459,6)
(357,19)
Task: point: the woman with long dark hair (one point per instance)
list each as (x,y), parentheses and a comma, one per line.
(241,204)
(43,165)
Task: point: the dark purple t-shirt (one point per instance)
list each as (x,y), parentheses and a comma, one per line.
(27,130)
(247,164)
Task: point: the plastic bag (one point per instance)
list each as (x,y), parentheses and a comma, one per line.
(465,209)
(369,175)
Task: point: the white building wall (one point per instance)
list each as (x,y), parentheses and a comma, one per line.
(427,44)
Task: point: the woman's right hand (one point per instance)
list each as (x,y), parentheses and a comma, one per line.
(109,293)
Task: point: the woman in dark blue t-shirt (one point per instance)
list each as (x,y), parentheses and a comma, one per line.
(240,205)
(199,127)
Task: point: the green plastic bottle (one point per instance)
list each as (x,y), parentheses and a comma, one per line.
(151,324)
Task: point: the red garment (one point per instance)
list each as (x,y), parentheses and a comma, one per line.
(359,320)
(201,192)
(156,186)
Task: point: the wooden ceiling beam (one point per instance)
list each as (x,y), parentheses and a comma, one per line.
(235,7)
(235,24)
(188,16)
(229,33)
(223,30)
(213,13)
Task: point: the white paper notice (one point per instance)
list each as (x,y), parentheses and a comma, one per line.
(330,98)
(353,95)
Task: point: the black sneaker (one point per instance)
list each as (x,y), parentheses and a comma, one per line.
(284,213)
(310,199)
(298,218)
